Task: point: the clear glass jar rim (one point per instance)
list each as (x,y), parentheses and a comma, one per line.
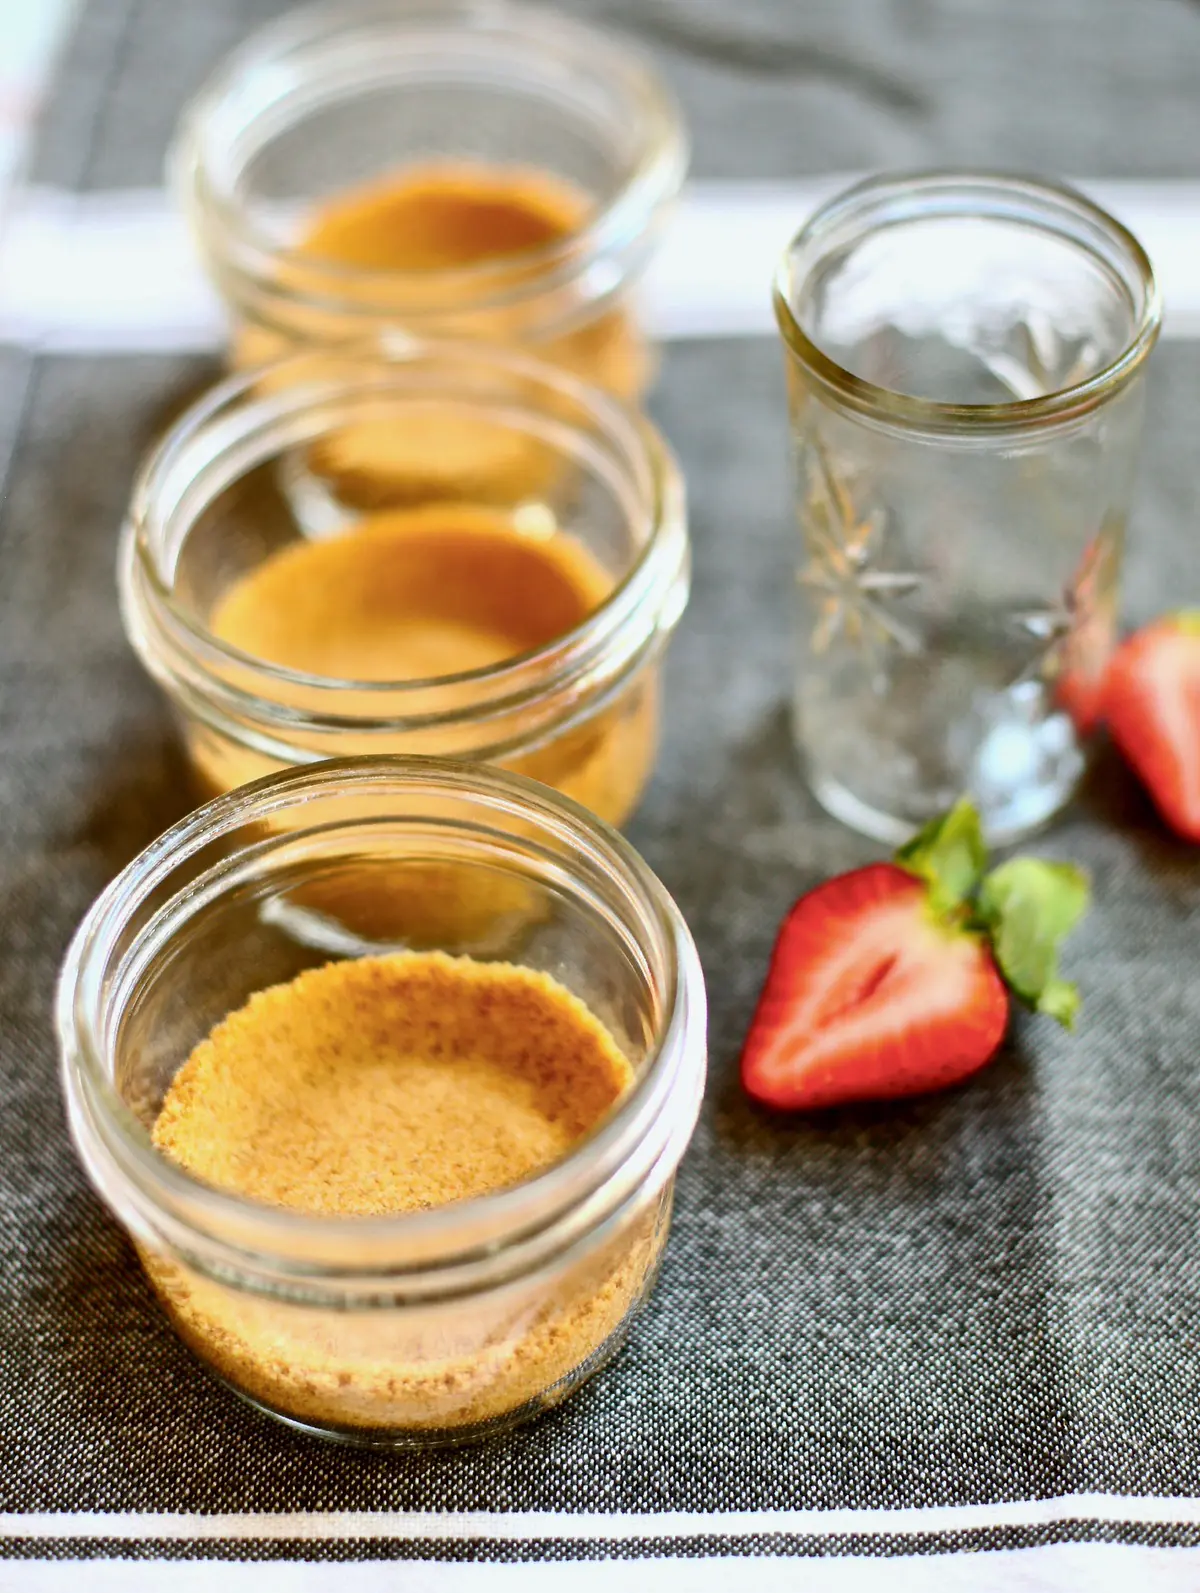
(654,180)
(360,367)
(531,1207)
(859,208)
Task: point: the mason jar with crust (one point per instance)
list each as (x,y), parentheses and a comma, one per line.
(430,1326)
(498,172)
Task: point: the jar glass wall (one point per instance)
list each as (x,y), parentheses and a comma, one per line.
(565,509)
(451,169)
(964,357)
(436,1325)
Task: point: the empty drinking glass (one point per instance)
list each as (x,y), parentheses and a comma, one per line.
(964,357)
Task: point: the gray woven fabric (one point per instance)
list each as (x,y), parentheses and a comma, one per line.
(771,88)
(988,1295)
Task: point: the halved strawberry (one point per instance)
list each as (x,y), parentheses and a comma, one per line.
(870,996)
(890,980)
(1152,699)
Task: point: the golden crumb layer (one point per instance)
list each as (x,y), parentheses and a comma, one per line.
(379,1086)
(446,217)
(426,593)
(390,1084)
(412,595)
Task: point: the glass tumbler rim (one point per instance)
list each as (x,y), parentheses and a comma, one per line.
(204,162)
(249,416)
(882,200)
(435,1253)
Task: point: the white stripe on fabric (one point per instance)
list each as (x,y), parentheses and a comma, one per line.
(114,271)
(1057,1568)
(507,1526)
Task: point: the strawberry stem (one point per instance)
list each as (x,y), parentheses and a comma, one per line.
(950,855)
(1024,907)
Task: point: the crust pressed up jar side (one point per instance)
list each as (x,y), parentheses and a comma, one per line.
(603,763)
(447,1372)
(603,345)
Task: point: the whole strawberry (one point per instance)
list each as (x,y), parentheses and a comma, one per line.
(1152,701)
(894,979)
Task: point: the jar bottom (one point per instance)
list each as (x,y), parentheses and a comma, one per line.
(885,756)
(604,763)
(399,1379)
(457,1437)
(1017,821)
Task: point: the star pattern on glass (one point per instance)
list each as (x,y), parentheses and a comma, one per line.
(849,591)
(1044,362)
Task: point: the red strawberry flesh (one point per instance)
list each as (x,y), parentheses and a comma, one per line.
(1152,699)
(869,996)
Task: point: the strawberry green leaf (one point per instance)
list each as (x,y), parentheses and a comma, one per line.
(1028,907)
(949,855)
(1060,1000)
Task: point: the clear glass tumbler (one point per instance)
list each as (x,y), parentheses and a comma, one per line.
(964,357)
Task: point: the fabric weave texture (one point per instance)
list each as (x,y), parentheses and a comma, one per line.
(988,1295)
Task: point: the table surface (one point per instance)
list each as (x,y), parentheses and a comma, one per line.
(966,1323)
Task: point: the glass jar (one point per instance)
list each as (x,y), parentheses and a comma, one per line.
(437,1325)
(335,98)
(965,357)
(233,483)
